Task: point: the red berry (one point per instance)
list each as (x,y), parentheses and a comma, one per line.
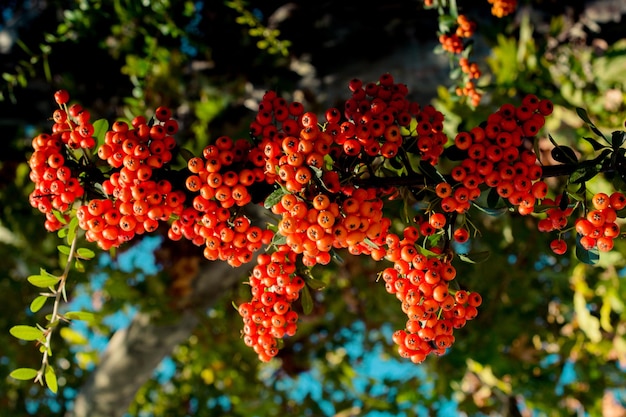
(61,97)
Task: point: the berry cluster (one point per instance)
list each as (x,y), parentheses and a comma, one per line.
(220,182)
(498,156)
(501,8)
(313,174)
(268,317)
(380,122)
(421,283)
(56,160)
(598,228)
(135,201)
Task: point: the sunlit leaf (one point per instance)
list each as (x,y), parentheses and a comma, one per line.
(85,253)
(38,303)
(27,333)
(80,315)
(51,379)
(43,281)
(23,374)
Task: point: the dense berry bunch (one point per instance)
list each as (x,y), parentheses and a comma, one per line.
(598,228)
(381,121)
(499,155)
(421,284)
(134,201)
(275,284)
(57,160)
(327,181)
(220,181)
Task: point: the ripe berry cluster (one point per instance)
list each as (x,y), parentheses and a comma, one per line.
(313,174)
(498,156)
(598,228)
(220,182)
(56,160)
(501,8)
(421,283)
(275,284)
(381,121)
(134,202)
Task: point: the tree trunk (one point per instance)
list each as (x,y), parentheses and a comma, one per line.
(134,352)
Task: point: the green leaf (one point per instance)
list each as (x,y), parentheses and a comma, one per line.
(582,113)
(474,257)
(493,198)
(72,336)
(318,172)
(100,128)
(80,315)
(38,303)
(71,231)
(186,153)
(307,300)
(59,216)
(23,374)
(27,333)
(590,257)
(64,249)
(85,253)
(430,171)
(51,379)
(315,284)
(617,139)
(564,154)
(274,198)
(44,280)
(595,144)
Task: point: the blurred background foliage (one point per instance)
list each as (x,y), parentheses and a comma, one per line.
(549,339)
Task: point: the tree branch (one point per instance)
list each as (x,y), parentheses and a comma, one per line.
(134,352)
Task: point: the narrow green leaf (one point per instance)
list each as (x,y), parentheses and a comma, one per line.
(80,315)
(315,284)
(318,172)
(100,128)
(595,144)
(71,231)
(59,216)
(274,198)
(51,379)
(64,249)
(307,300)
(43,281)
(474,257)
(62,233)
(85,253)
(186,154)
(38,303)
(582,113)
(430,171)
(584,173)
(23,374)
(27,333)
